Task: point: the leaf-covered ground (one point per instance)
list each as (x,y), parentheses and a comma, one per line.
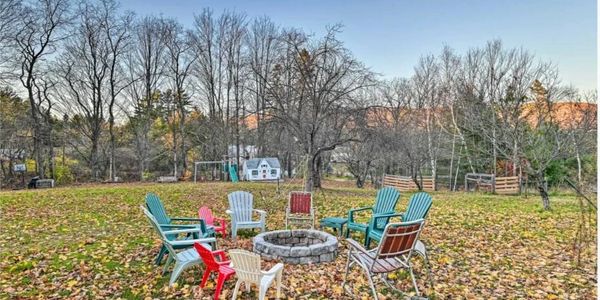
(93,242)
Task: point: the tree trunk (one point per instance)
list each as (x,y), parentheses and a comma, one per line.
(542,186)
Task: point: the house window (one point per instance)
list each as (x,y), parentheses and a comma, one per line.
(264,171)
(263,166)
(254,172)
(273,171)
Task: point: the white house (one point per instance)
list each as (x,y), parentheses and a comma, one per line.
(262,169)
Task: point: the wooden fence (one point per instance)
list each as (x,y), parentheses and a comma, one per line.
(405,183)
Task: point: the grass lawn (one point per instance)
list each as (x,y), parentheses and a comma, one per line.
(94,242)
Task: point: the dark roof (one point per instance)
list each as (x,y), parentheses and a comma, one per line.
(272,161)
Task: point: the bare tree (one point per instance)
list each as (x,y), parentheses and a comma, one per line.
(40,32)
(146,65)
(180,59)
(312,93)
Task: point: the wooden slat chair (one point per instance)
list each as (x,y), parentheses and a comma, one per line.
(157,209)
(187,256)
(241,210)
(218,225)
(393,253)
(300,209)
(221,266)
(247,269)
(385,203)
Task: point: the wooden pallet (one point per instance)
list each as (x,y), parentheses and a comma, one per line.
(405,183)
(508,185)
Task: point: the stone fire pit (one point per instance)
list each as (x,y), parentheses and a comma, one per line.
(297,246)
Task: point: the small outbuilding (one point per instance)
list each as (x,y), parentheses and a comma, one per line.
(267,168)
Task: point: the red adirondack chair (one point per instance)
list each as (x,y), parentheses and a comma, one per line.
(300,209)
(219,226)
(212,265)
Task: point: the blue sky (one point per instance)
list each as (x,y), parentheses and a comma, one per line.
(390,36)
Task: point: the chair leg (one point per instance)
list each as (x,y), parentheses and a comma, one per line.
(372,286)
(236,289)
(205,278)
(279,275)
(412,276)
(169,260)
(220,281)
(161,254)
(176,272)
(233,232)
(347,269)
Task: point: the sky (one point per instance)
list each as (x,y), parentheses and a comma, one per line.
(390,36)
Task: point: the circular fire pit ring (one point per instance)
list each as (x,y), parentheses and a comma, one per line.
(297,246)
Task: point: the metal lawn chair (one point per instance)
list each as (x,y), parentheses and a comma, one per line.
(393,253)
(300,209)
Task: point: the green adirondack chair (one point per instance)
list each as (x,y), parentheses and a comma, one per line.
(157,210)
(385,203)
(418,207)
(181,251)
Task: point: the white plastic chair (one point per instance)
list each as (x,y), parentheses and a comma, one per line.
(185,258)
(247,268)
(241,210)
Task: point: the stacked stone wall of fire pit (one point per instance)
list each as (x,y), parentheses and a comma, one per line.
(297,246)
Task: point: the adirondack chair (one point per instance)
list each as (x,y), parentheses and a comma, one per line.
(394,252)
(418,207)
(247,268)
(187,256)
(385,203)
(157,209)
(217,224)
(240,210)
(300,209)
(212,265)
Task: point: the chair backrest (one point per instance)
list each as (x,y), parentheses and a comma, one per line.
(157,209)
(241,203)
(399,239)
(418,207)
(207,257)
(246,265)
(386,200)
(205,214)
(300,202)
(157,228)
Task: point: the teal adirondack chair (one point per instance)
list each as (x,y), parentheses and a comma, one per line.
(418,207)
(385,203)
(187,256)
(241,210)
(157,209)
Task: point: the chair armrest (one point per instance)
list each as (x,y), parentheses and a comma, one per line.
(373,221)
(229,212)
(357,246)
(186,219)
(220,254)
(275,269)
(188,230)
(178,226)
(352,211)
(192,242)
(260,211)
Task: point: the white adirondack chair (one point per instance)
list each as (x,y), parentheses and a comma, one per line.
(185,258)
(247,268)
(241,210)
